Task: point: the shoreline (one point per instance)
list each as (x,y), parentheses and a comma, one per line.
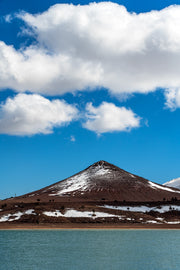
(67,226)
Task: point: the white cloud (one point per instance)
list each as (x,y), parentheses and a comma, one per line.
(95,45)
(72,138)
(37,70)
(108,118)
(27,114)
(33,114)
(172,98)
(8,18)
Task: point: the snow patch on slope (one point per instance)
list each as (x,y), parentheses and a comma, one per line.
(72,213)
(79,182)
(143,208)
(55,213)
(172,222)
(133,176)
(16,216)
(156,186)
(152,221)
(90,214)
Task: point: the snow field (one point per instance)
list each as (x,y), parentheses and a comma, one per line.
(79,182)
(72,213)
(156,186)
(143,208)
(16,216)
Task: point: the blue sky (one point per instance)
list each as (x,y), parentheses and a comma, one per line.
(101,82)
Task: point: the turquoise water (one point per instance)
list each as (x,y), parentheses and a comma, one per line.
(90,249)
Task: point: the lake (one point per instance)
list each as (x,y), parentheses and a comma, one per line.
(90,249)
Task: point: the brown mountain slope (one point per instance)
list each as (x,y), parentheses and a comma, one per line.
(102,181)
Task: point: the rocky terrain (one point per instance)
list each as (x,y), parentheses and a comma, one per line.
(100,194)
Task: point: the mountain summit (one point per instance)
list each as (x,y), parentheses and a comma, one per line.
(104,181)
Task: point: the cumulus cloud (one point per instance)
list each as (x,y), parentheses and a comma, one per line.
(30,114)
(38,70)
(33,114)
(95,45)
(108,118)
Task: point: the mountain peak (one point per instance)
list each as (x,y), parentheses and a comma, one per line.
(100,163)
(105,180)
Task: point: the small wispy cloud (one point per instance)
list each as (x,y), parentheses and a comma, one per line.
(8,18)
(72,138)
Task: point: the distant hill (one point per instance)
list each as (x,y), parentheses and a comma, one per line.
(174,183)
